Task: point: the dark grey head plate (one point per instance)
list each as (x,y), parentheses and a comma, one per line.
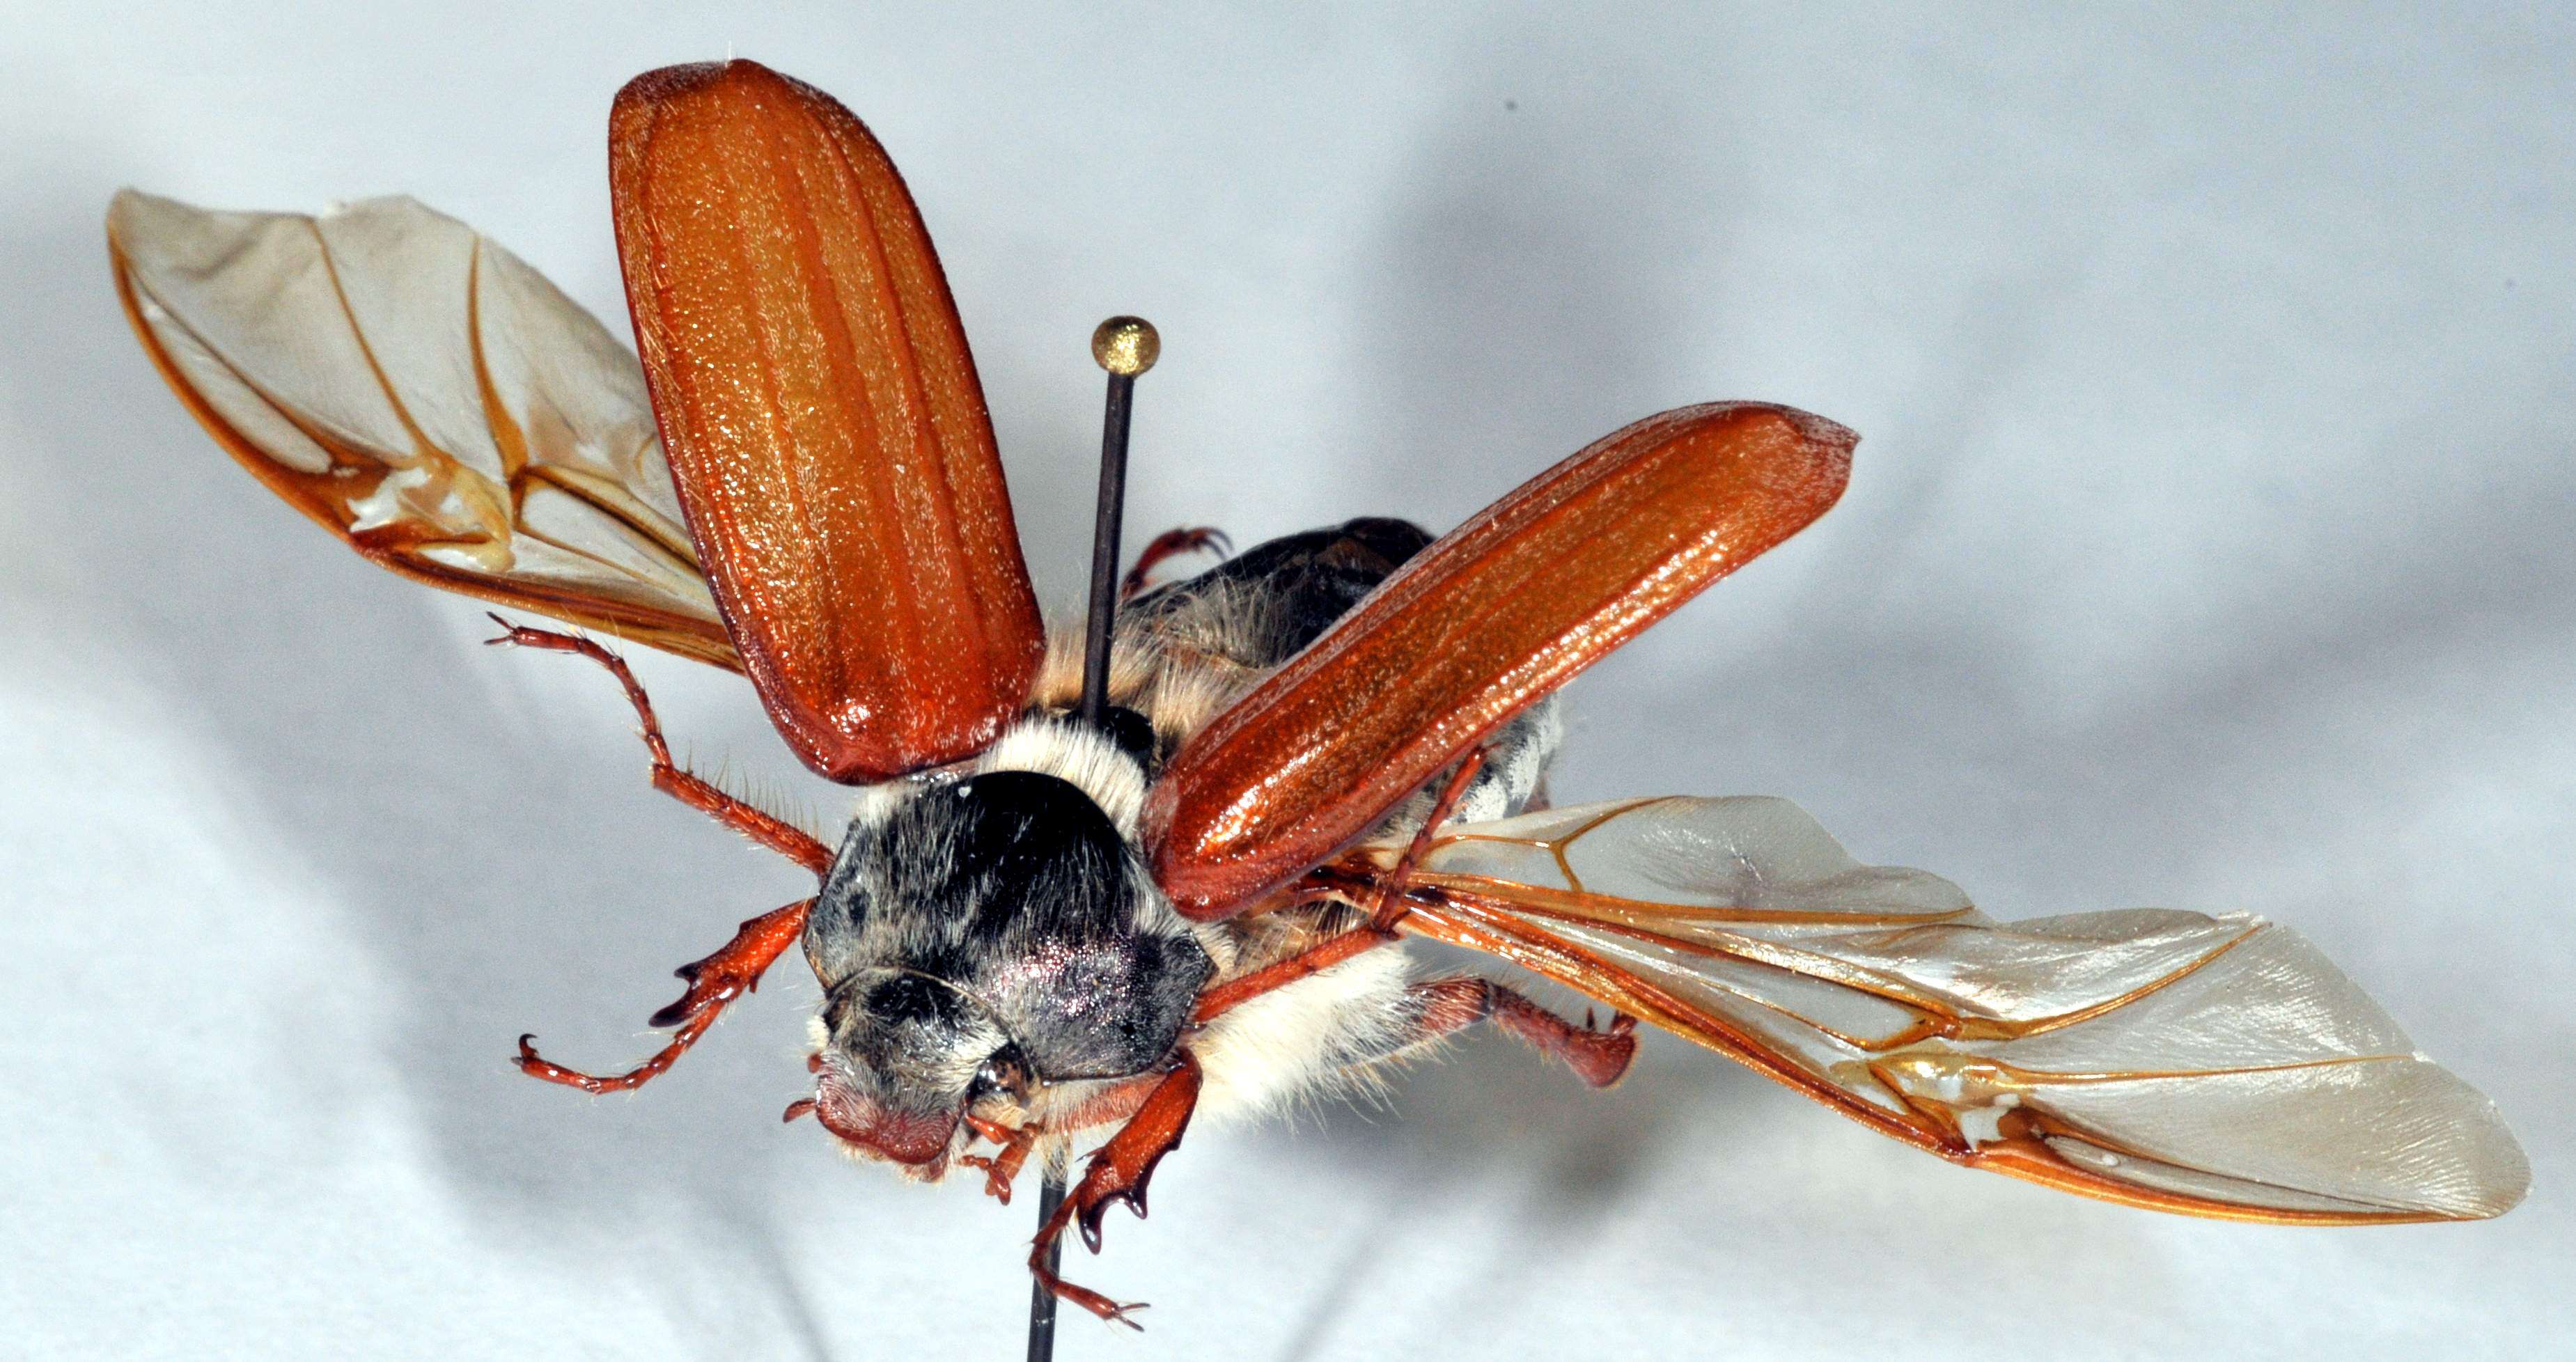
(1014,891)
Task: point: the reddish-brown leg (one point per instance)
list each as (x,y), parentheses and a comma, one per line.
(668,777)
(1378,931)
(1116,1102)
(1225,997)
(1118,1171)
(1003,1168)
(733,970)
(1597,1057)
(1390,897)
(1172,544)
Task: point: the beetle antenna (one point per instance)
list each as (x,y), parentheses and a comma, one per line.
(1126,347)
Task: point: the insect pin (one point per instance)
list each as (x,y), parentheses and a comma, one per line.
(1056,918)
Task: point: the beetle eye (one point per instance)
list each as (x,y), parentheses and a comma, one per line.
(1002,1072)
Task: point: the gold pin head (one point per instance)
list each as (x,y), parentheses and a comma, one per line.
(1126,345)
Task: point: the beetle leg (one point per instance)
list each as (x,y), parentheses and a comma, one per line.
(1390,895)
(1172,544)
(1003,1167)
(668,776)
(1119,1171)
(732,971)
(1314,960)
(1598,1057)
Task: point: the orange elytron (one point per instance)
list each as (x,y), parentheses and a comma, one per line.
(822,419)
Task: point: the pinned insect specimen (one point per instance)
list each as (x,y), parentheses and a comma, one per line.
(1046,919)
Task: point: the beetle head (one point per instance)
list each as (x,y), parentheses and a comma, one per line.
(988,935)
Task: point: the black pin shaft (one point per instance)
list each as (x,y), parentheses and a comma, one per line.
(1104,549)
(1126,347)
(1041,1300)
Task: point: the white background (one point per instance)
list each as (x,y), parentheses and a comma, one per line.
(2208,547)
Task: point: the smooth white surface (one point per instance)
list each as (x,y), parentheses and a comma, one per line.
(2208,547)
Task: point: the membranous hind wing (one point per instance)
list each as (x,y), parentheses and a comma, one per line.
(2216,1066)
(421,393)
(824,419)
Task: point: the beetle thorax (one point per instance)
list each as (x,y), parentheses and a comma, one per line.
(983,933)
